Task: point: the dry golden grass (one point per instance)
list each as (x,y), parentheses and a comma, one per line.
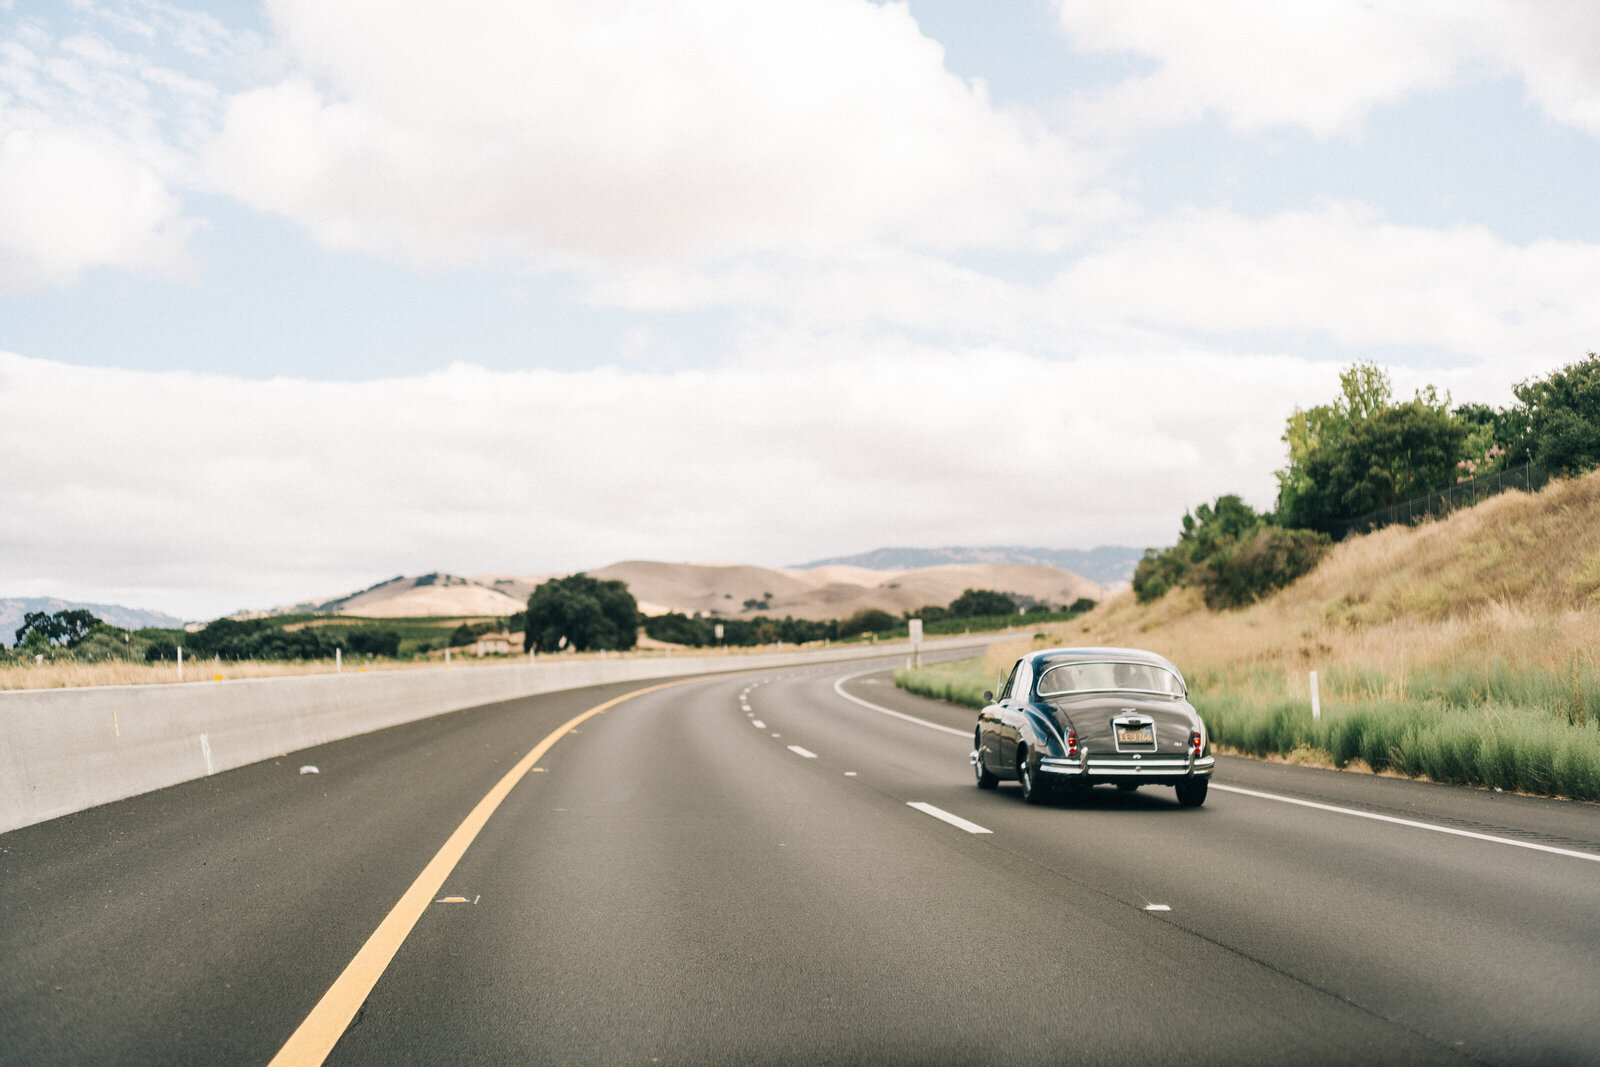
(118,672)
(1465,650)
(1515,579)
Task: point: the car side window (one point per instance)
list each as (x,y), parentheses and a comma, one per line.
(1021,680)
(1005,690)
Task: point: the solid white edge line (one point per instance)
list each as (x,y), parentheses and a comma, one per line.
(953,820)
(1590,856)
(838,687)
(805,753)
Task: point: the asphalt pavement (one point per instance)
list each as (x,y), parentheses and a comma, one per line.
(733,870)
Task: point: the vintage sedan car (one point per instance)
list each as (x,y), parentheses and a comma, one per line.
(1068,719)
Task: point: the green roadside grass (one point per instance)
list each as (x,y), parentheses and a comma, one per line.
(960,681)
(1529,731)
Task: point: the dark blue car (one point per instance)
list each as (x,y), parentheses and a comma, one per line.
(1069,719)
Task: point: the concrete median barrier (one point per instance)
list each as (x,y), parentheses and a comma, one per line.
(63,750)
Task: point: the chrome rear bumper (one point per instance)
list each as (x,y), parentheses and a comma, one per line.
(1124,766)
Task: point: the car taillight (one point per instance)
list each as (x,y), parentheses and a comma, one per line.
(1194,741)
(1072,742)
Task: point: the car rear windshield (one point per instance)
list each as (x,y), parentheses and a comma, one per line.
(1065,678)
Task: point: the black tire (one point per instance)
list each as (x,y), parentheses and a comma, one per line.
(1192,794)
(1033,790)
(1127,787)
(986,777)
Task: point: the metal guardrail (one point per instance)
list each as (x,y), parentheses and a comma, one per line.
(1528,477)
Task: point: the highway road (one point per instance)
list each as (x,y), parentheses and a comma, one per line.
(756,868)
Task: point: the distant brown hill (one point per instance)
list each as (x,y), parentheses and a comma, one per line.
(425,596)
(833,592)
(730,590)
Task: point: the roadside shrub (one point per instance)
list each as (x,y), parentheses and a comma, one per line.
(961,682)
(867,620)
(982,602)
(1209,529)
(1240,572)
(468,632)
(373,642)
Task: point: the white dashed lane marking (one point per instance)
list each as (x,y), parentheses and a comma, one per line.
(804,752)
(953,820)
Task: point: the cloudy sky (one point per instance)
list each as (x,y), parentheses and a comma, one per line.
(300,295)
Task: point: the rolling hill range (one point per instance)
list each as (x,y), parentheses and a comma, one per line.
(836,591)
(1110,565)
(729,590)
(12,610)
(427,595)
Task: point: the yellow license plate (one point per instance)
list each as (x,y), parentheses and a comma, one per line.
(1136,735)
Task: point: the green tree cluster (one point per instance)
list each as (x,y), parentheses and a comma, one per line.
(1556,421)
(1364,451)
(264,639)
(581,613)
(974,602)
(868,621)
(699,631)
(40,629)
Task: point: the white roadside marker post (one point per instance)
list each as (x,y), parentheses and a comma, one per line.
(1316,699)
(338,660)
(915,627)
(180,663)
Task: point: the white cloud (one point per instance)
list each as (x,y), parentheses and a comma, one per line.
(203,494)
(622,132)
(1341,271)
(90,154)
(1555,47)
(72,199)
(1325,64)
(1339,274)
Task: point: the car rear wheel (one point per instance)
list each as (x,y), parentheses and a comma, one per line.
(1192,794)
(1033,790)
(986,777)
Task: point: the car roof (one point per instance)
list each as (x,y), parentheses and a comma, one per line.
(1102,655)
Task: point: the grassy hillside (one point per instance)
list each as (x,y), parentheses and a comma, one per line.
(1466,650)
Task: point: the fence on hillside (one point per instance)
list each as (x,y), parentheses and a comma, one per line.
(1528,477)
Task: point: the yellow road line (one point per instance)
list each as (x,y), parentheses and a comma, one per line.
(311,1042)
